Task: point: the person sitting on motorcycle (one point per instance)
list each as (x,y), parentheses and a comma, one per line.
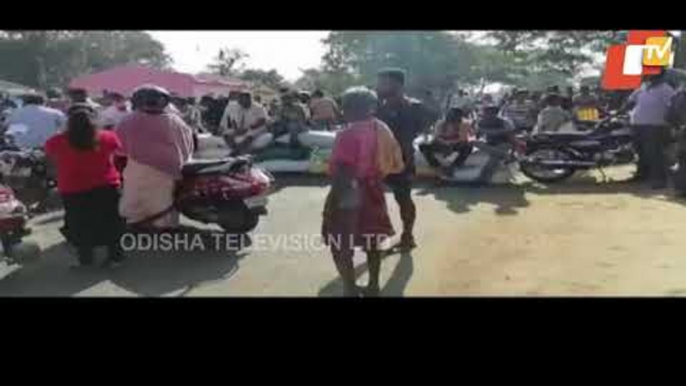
(292,118)
(553,116)
(497,139)
(88,183)
(453,134)
(247,126)
(157,143)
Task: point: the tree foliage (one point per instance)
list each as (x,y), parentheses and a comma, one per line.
(334,82)
(441,61)
(271,78)
(228,62)
(52,58)
(433,60)
(563,51)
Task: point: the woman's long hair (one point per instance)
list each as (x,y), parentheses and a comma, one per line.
(81,129)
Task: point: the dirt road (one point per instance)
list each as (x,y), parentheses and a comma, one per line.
(579,238)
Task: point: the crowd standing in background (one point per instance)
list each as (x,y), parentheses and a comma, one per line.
(324,111)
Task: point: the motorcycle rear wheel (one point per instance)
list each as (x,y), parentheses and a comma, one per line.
(546,175)
(238,219)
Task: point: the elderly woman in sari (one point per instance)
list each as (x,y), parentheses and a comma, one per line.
(355,212)
(157,143)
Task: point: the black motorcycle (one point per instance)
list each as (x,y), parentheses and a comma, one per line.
(554,157)
(28,173)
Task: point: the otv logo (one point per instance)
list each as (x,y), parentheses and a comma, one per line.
(646,53)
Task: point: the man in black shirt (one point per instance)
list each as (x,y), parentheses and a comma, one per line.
(407,118)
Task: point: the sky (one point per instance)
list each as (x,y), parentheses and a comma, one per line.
(285,51)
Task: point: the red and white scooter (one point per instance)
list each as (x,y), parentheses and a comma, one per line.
(230,192)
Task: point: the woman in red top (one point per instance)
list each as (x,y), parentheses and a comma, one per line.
(89,184)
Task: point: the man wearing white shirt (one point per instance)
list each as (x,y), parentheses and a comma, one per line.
(116,112)
(246,125)
(230,109)
(32,124)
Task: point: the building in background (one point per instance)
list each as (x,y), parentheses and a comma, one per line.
(126,79)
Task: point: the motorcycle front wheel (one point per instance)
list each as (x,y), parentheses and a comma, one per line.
(540,173)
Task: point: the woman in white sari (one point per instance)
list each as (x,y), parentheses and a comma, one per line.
(157,144)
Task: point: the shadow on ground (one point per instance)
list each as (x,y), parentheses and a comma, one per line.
(461,199)
(509,198)
(394,287)
(285,180)
(589,185)
(144,273)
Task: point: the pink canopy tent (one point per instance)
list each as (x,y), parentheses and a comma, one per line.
(125,80)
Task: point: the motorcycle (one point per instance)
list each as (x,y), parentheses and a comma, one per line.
(231,192)
(555,157)
(13,228)
(278,157)
(474,169)
(27,172)
(312,157)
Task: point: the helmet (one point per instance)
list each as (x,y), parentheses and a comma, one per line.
(150,98)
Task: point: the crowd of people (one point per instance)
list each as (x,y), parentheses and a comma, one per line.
(374,147)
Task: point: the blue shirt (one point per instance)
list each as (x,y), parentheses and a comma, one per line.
(651,105)
(32,125)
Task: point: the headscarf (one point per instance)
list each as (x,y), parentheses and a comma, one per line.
(162,141)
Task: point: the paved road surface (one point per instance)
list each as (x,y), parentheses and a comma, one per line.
(578,238)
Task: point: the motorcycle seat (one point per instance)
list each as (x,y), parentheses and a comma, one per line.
(199,167)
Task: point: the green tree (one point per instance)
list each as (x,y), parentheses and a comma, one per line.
(557,51)
(442,61)
(52,58)
(271,78)
(227,62)
(433,60)
(333,82)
